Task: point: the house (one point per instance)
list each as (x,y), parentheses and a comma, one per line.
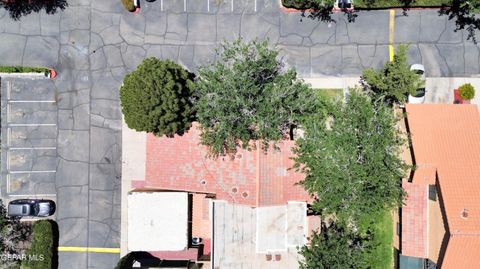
(243,212)
(441,215)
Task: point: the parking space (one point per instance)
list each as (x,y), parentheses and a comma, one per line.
(29,138)
(217,6)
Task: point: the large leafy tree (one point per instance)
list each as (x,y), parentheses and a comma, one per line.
(248,95)
(394,81)
(335,246)
(158,97)
(351,158)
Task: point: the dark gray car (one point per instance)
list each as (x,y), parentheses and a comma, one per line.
(31,207)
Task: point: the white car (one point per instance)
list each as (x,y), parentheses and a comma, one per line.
(419,97)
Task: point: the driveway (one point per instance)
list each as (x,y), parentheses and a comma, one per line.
(93,44)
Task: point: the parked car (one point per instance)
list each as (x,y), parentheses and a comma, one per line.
(343,5)
(31,207)
(419,96)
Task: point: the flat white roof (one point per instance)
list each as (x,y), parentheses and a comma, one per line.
(157,221)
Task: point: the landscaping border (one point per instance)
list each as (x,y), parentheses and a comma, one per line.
(307,5)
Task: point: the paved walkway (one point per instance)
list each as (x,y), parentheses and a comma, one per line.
(93,44)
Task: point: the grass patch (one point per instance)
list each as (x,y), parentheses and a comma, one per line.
(381,255)
(330,93)
(23,69)
(41,250)
(372,4)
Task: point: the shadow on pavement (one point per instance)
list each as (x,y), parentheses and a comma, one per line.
(19,8)
(464,18)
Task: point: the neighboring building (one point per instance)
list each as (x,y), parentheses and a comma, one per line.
(248,211)
(441,215)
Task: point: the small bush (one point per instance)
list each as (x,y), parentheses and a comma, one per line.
(128,5)
(41,251)
(23,69)
(466,91)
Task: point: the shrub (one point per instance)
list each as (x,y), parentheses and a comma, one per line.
(42,246)
(128,5)
(157,98)
(23,69)
(466,91)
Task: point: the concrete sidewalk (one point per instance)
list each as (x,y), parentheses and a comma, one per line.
(438,90)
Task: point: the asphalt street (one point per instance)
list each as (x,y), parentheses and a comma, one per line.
(93,44)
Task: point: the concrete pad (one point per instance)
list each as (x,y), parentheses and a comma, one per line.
(33,160)
(74,203)
(41,51)
(31,184)
(228,27)
(39,136)
(72,260)
(201,28)
(71,174)
(72,145)
(32,113)
(102,260)
(177,27)
(104,145)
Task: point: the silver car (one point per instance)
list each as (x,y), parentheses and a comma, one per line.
(31,207)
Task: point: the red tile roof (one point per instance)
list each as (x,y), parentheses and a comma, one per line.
(251,178)
(447,137)
(414,220)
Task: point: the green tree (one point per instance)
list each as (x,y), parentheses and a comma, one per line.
(157,98)
(394,81)
(248,95)
(351,158)
(335,246)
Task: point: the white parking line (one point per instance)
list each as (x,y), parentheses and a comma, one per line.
(255,8)
(46,148)
(9,133)
(26,195)
(184,5)
(32,172)
(9,113)
(208,5)
(232,4)
(32,101)
(31,124)
(9,89)
(161,5)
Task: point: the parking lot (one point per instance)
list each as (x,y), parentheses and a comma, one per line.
(29,138)
(215,6)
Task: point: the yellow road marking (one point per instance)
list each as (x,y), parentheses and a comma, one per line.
(89,249)
(391,34)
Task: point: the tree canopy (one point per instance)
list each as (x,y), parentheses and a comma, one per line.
(158,97)
(351,158)
(394,81)
(248,95)
(335,246)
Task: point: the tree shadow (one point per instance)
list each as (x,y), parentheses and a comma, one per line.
(56,238)
(464,18)
(19,8)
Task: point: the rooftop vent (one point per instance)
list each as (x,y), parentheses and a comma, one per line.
(464,213)
(203,182)
(245,194)
(234,190)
